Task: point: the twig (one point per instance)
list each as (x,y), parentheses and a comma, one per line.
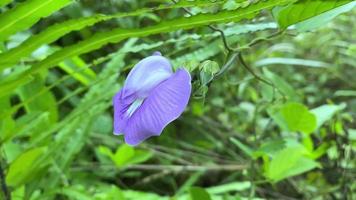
(223,37)
(175,168)
(252,72)
(237,52)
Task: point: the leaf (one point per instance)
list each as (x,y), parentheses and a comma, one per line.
(133,195)
(324,18)
(47,36)
(4,2)
(117,35)
(140,156)
(229,187)
(247,150)
(26,14)
(44,102)
(291,61)
(105,151)
(345,93)
(289,162)
(8,87)
(58,30)
(7,124)
(207,71)
(304,164)
(298,118)
(197,193)
(281,84)
(75,194)
(123,154)
(352,134)
(111,193)
(326,112)
(303,10)
(126,155)
(30,124)
(189,182)
(23,167)
(270,148)
(78,69)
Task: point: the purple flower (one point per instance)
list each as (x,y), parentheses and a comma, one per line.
(152,97)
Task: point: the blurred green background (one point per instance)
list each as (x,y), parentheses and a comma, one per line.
(273,119)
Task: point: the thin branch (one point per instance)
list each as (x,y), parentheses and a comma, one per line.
(175,168)
(223,37)
(242,61)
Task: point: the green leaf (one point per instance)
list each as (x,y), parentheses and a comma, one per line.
(123,154)
(247,150)
(4,2)
(324,18)
(303,164)
(291,61)
(281,84)
(58,30)
(7,124)
(47,36)
(26,14)
(326,112)
(197,193)
(126,155)
(207,71)
(189,182)
(298,118)
(22,168)
(229,187)
(78,69)
(270,148)
(140,156)
(105,151)
(8,87)
(345,93)
(289,162)
(117,35)
(75,194)
(36,100)
(111,193)
(303,10)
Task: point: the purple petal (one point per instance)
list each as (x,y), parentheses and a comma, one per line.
(121,105)
(147,74)
(165,103)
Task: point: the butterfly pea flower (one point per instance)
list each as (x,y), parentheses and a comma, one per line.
(151,97)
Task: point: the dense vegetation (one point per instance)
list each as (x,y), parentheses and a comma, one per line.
(271,115)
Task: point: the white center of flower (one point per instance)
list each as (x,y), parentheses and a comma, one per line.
(134,106)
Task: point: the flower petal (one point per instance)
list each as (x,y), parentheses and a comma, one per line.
(147,74)
(121,105)
(165,103)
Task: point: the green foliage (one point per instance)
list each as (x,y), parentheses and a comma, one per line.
(25,166)
(26,14)
(197,193)
(117,35)
(323,18)
(4,2)
(277,124)
(326,112)
(303,10)
(126,155)
(289,162)
(47,36)
(298,118)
